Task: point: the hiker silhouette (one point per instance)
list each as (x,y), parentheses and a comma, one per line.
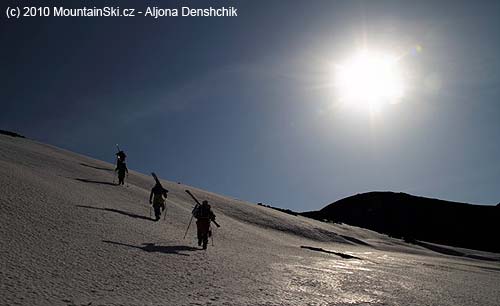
(121,168)
(204,215)
(157,199)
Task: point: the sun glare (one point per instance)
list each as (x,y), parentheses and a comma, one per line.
(369,80)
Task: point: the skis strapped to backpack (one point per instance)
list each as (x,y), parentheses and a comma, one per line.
(158,183)
(120,155)
(164,190)
(156,179)
(199,204)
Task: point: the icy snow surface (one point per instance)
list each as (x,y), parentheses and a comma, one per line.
(71,237)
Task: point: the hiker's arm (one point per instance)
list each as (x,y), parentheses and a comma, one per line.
(151,197)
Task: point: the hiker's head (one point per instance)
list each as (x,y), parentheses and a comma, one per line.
(205,202)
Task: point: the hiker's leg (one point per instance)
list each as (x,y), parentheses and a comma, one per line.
(157,212)
(205,240)
(199,231)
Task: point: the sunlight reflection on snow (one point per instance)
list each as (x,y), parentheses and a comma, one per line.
(327,282)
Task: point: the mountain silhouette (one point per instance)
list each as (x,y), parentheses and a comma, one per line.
(414,218)
(12,134)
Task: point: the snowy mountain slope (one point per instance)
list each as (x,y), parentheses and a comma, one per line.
(71,237)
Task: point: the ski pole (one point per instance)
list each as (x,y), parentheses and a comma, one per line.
(118,148)
(165,205)
(190,220)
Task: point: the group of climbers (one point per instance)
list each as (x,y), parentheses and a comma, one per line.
(202,212)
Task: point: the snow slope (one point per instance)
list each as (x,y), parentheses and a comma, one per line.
(71,237)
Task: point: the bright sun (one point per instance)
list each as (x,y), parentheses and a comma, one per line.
(369,80)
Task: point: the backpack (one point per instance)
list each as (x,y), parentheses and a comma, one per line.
(196,212)
(201,211)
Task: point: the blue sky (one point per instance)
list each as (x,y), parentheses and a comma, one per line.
(239,106)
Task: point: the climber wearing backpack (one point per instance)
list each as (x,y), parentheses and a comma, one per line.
(157,198)
(204,215)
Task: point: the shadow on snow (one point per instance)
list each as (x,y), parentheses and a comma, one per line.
(343,255)
(96,167)
(95,182)
(153,248)
(121,212)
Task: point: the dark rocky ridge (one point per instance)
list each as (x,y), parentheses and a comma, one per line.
(12,134)
(417,218)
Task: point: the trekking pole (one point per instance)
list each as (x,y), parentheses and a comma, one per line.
(150,212)
(127,179)
(165,214)
(114,177)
